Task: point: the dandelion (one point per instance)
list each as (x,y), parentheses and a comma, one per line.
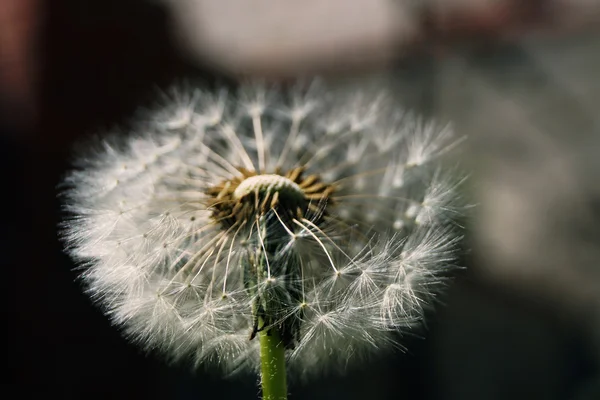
(298,227)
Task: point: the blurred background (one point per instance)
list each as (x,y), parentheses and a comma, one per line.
(521,79)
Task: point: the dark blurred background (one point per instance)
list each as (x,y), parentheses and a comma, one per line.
(522,322)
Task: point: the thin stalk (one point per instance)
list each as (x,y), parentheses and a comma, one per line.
(272,363)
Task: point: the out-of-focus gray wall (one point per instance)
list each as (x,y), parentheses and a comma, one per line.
(531,112)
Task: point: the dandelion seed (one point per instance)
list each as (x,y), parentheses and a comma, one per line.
(302,213)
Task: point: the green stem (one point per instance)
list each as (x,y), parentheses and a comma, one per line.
(272,360)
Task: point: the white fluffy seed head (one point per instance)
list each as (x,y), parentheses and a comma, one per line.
(371,237)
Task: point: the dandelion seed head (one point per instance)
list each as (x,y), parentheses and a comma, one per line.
(323,215)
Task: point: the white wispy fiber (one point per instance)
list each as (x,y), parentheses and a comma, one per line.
(326,217)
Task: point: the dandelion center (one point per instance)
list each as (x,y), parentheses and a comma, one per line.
(292,194)
(268,184)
